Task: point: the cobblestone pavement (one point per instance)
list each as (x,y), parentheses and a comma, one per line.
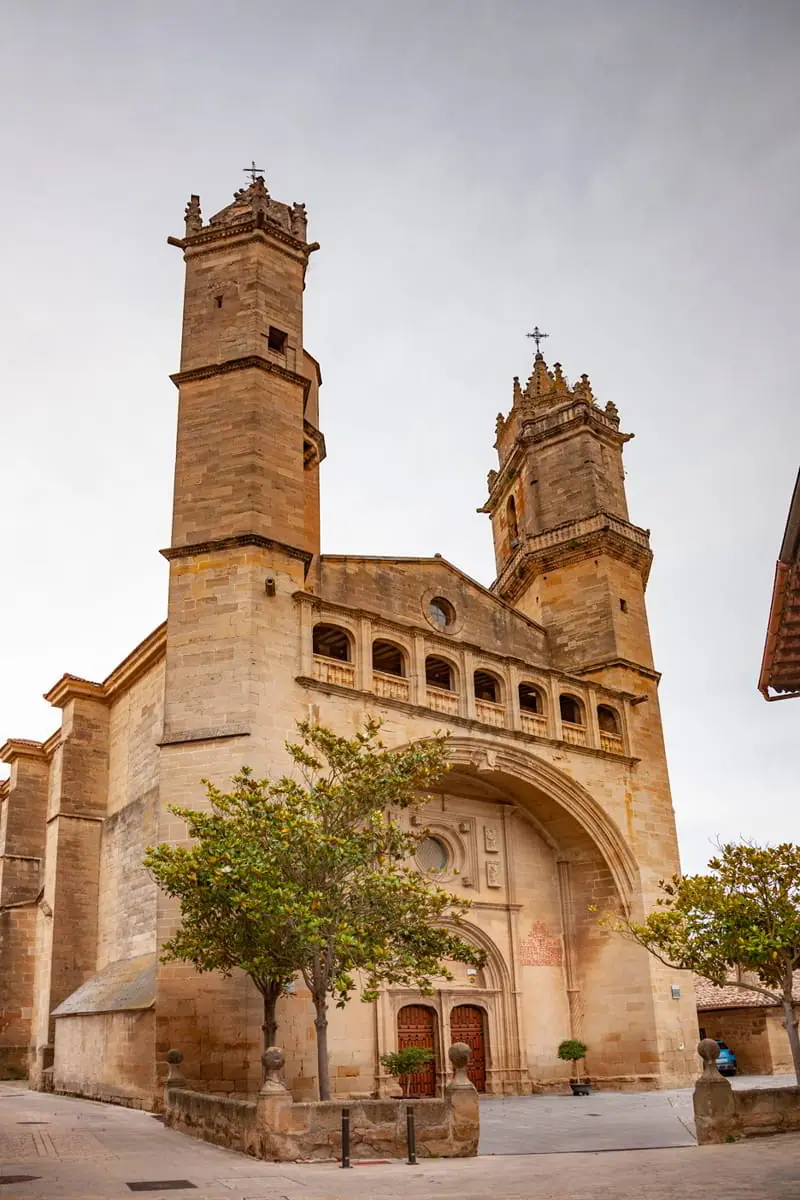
(81,1150)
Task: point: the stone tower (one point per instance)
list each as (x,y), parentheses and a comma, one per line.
(568,557)
(245,530)
(566,553)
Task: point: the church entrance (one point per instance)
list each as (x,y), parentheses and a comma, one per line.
(416,1026)
(467,1025)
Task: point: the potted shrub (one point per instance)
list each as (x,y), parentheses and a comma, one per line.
(402,1064)
(571,1051)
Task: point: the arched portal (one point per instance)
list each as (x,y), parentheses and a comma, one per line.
(416,1026)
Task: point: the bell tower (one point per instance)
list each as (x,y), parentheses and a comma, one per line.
(567,555)
(246,502)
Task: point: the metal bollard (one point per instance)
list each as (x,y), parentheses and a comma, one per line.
(345,1137)
(412,1135)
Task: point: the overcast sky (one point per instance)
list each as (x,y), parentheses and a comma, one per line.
(623,174)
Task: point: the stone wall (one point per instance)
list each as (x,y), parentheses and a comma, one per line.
(724,1115)
(277,1129)
(755,1035)
(106,1056)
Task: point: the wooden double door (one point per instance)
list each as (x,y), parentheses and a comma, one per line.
(416,1026)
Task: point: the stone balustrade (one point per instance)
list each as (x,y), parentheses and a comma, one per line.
(574,734)
(395,687)
(442,701)
(499,716)
(334,670)
(275,1128)
(533,723)
(490,714)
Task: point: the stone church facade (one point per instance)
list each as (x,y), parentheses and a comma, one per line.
(557,807)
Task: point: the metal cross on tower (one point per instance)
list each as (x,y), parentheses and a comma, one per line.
(537,336)
(253,171)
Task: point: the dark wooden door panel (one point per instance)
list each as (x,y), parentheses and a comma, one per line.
(467,1025)
(416,1026)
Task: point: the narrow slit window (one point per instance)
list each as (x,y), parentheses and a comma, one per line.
(511,520)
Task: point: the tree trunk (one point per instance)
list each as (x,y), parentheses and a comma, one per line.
(270,994)
(323,1067)
(790,1025)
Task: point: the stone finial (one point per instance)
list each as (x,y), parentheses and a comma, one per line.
(583,389)
(459,1055)
(709,1052)
(517,390)
(540,382)
(499,424)
(175,1077)
(192,216)
(299,220)
(272,1061)
(559,380)
(491,479)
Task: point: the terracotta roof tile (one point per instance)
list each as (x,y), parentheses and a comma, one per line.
(709,995)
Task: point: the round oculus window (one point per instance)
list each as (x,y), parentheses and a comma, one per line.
(432,855)
(441,612)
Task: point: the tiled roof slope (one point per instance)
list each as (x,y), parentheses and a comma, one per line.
(710,996)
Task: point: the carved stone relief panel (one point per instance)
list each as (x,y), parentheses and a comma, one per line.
(494,874)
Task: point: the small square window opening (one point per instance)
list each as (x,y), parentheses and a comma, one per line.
(623,605)
(277,339)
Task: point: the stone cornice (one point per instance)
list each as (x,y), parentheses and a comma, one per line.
(248,362)
(574,541)
(137,663)
(417,710)
(624,664)
(251,228)
(71,687)
(235,542)
(16,748)
(216,734)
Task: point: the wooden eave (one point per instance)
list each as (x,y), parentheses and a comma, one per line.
(780,664)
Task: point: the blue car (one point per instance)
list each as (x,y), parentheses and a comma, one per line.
(726,1063)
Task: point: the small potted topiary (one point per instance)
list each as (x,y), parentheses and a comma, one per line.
(402,1064)
(571,1051)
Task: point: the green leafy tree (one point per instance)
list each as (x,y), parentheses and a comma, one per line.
(311,874)
(402,1064)
(233,908)
(572,1050)
(738,926)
